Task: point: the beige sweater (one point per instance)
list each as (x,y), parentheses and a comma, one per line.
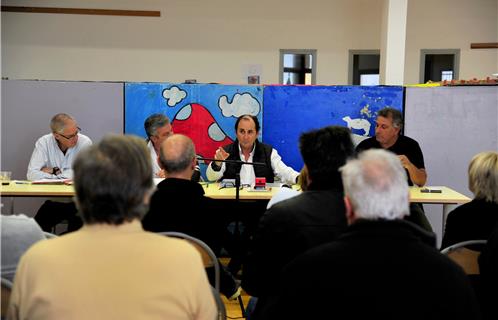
(111,272)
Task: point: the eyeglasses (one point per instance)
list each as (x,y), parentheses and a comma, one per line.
(71,136)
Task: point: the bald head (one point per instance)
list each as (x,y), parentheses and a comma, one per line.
(177,156)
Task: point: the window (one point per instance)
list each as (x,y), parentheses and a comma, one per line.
(364,67)
(439,64)
(297,66)
(447,75)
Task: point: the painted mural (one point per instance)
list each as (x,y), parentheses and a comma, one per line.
(291,110)
(204,112)
(207,112)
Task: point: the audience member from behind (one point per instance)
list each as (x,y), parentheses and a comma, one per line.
(179,204)
(382,267)
(111,268)
(293,226)
(53,158)
(388,137)
(19,232)
(477,219)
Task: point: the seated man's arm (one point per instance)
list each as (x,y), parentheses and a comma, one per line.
(417,176)
(216,170)
(38,167)
(285,173)
(212,174)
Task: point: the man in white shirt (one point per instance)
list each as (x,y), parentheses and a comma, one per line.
(157,127)
(247,148)
(54,153)
(53,158)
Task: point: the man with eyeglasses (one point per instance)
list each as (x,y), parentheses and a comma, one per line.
(53,158)
(54,153)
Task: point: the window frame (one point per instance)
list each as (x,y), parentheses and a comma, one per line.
(312,52)
(456,61)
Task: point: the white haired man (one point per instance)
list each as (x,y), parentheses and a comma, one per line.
(53,158)
(382,267)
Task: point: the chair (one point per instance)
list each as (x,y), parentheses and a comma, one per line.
(466,257)
(209,259)
(6,289)
(49,235)
(466,254)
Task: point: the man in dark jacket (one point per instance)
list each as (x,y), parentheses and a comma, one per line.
(382,267)
(295,225)
(247,148)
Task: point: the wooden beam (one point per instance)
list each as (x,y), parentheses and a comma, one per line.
(488,45)
(102,12)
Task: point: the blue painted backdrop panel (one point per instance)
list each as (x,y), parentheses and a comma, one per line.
(204,112)
(291,110)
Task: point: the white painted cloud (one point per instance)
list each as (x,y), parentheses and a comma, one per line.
(215,132)
(241,104)
(174,95)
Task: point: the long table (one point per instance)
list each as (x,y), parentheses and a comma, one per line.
(212,190)
(447,196)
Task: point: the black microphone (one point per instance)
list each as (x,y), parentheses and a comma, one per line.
(233,161)
(196,174)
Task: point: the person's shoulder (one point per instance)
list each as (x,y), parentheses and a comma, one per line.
(46,138)
(181,248)
(265,145)
(366,144)
(407,140)
(85,140)
(19,221)
(289,209)
(44,250)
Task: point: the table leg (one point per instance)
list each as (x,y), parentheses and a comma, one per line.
(11,205)
(446,211)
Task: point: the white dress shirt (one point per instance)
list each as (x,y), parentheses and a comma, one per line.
(48,154)
(247,177)
(155,165)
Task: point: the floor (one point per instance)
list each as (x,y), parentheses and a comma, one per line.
(233,307)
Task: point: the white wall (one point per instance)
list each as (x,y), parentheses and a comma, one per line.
(213,41)
(453,24)
(210,41)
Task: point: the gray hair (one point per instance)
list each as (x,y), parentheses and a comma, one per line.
(112,178)
(179,153)
(483,176)
(59,121)
(376,185)
(394,114)
(154,122)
